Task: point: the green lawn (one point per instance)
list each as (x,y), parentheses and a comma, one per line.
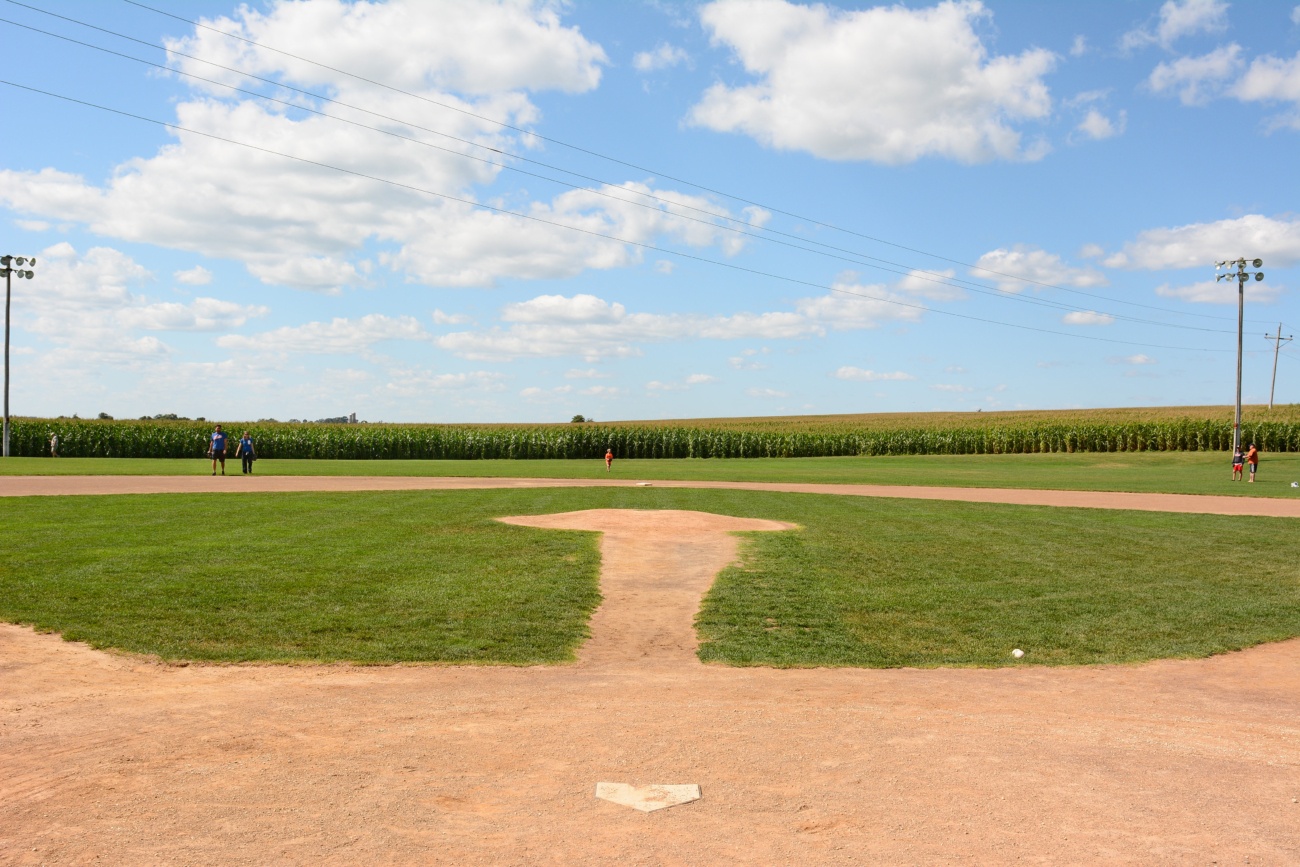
(1162,472)
(429,576)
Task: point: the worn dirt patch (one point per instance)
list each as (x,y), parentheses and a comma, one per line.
(655,566)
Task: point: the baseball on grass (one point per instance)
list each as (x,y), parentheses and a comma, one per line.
(1017,653)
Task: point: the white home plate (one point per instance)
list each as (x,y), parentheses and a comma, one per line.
(647,799)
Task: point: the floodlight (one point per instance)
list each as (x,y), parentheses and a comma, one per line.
(31,274)
(1258,263)
(5,260)
(1259,275)
(20,261)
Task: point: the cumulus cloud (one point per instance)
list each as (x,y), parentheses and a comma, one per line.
(1098,126)
(1276,241)
(1273,79)
(196,276)
(887,84)
(681,385)
(339,335)
(1219,292)
(308,227)
(1011,268)
(1087,317)
(1197,80)
(766,393)
(415,382)
(1177,19)
(1079,46)
(857,374)
(664,56)
(592,328)
(440,318)
(85,302)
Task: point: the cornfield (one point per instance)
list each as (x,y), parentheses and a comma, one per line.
(183,439)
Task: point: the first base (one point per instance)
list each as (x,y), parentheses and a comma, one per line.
(647,799)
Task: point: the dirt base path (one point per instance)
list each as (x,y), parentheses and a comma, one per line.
(108,759)
(28,486)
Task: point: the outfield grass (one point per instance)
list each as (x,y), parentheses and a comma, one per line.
(1151,472)
(429,576)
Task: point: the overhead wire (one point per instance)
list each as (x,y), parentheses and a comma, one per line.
(926,276)
(618,161)
(639,244)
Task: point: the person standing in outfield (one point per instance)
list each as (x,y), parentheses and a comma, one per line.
(609,459)
(1237,462)
(246,451)
(54,445)
(217,450)
(1252,460)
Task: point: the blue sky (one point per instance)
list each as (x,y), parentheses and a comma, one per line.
(743,207)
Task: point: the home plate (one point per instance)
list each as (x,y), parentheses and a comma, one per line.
(647,799)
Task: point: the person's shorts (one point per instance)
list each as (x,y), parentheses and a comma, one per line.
(1236,468)
(1253,467)
(218,454)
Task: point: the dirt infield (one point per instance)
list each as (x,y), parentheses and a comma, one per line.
(114,760)
(28,486)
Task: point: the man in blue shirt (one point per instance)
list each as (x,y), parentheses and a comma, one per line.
(217,450)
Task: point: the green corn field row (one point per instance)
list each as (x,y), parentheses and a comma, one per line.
(179,439)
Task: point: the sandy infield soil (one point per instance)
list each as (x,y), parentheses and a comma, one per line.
(28,486)
(110,759)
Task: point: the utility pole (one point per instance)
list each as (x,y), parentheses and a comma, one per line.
(1242,276)
(10,266)
(1278,340)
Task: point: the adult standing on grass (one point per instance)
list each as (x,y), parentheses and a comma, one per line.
(609,458)
(246,451)
(217,450)
(1252,460)
(1237,462)
(54,445)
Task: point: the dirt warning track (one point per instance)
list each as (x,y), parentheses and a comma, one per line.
(29,486)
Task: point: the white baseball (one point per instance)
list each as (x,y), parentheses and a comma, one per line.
(1017,653)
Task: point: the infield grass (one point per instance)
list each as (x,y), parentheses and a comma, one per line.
(1143,472)
(429,576)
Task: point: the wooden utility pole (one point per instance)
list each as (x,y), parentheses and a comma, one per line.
(1278,340)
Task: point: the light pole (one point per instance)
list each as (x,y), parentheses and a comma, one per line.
(1278,340)
(1242,276)
(11,266)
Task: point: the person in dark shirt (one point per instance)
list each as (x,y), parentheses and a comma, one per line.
(217,450)
(246,451)
(1237,462)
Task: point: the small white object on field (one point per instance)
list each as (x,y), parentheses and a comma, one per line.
(1017,653)
(1295,484)
(643,484)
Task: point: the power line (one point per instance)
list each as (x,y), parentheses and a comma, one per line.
(616,160)
(639,244)
(927,276)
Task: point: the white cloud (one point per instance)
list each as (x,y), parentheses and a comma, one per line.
(1272,79)
(440,318)
(1087,317)
(934,285)
(590,373)
(592,328)
(665,266)
(33,225)
(857,374)
(415,382)
(959,389)
(1197,80)
(85,303)
(196,276)
(1199,245)
(1295,16)
(741,362)
(336,336)
(1219,292)
(1079,46)
(886,84)
(1091,251)
(1097,126)
(1031,263)
(765,393)
(700,379)
(664,56)
(602,391)
(1177,19)
(1135,359)
(534,393)
(682,385)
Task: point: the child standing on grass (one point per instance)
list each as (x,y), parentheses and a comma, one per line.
(609,458)
(1252,460)
(1237,462)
